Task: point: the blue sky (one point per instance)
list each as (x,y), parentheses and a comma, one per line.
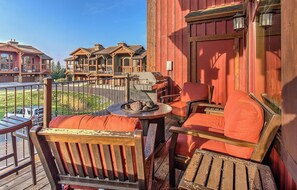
(57,27)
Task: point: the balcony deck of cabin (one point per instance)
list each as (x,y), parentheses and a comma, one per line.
(24,179)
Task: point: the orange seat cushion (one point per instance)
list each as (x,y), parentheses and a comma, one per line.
(214,122)
(244,122)
(194,91)
(187,144)
(179,108)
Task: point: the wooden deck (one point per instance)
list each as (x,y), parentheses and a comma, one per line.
(24,181)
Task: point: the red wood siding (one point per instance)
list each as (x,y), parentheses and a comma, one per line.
(171,41)
(282,177)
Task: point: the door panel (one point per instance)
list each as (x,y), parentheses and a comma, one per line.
(215,65)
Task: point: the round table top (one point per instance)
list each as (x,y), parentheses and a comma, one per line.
(163,110)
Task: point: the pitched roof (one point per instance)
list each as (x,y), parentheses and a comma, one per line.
(23,48)
(111,49)
(140,56)
(216,12)
(44,56)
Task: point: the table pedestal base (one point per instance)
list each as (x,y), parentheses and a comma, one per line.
(160,136)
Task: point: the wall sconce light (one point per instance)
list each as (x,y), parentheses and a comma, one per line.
(265,19)
(238,21)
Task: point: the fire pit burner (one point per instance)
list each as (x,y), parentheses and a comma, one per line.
(139,106)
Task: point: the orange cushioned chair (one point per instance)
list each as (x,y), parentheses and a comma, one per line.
(88,151)
(182,103)
(244,130)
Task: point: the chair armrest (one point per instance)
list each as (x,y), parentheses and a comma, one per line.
(214,111)
(191,103)
(208,105)
(150,141)
(168,96)
(211,136)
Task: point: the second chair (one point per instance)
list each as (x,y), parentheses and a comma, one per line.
(190,93)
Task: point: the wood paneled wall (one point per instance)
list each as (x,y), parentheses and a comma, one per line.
(289,85)
(167,35)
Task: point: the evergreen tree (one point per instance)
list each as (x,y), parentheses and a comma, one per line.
(58,67)
(58,71)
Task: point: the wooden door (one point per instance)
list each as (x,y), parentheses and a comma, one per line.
(215,65)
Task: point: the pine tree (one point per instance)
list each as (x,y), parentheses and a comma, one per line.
(58,67)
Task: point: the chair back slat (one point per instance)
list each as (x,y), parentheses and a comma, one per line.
(119,163)
(67,158)
(77,159)
(97,160)
(272,122)
(140,160)
(56,153)
(130,164)
(87,159)
(108,161)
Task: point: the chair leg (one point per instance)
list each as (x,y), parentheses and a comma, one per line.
(172,160)
(32,156)
(171,173)
(14,149)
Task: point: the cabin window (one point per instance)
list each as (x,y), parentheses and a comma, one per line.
(109,61)
(126,62)
(4,57)
(27,60)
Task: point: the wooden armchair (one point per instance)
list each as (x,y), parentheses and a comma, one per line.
(190,93)
(97,159)
(221,139)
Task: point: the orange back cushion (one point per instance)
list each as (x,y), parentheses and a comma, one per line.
(232,99)
(244,122)
(108,123)
(194,91)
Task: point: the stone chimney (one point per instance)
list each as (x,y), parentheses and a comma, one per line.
(12,41)
(122,44)
(98,47)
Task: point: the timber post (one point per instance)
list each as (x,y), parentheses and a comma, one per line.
(47,101)
(127,88)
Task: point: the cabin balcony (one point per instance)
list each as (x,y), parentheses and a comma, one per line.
(73,98)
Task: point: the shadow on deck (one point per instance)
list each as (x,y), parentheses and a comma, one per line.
(24,181)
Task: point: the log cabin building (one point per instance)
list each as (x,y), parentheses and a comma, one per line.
(98,62)
(204,45)
(22,63)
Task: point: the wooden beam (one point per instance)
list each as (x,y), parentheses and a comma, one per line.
(216,37)
(151,35)
(289,81)
(47,103)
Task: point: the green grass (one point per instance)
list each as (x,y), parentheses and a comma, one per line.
(63,103)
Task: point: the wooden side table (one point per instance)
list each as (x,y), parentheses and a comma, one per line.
(209,170)
(10,125)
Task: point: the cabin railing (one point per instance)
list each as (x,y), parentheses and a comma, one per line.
(45,101)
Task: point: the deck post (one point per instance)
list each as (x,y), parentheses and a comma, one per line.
(47,102)
(127,88)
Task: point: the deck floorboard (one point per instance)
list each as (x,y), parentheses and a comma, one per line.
(24,179)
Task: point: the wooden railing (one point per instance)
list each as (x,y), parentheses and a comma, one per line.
(43,101)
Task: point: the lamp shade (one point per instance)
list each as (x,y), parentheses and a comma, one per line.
(238,21)
(265,19)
